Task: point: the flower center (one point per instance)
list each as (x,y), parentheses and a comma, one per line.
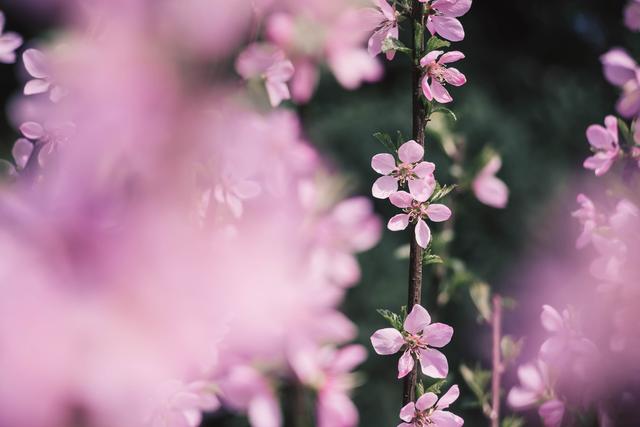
(437,71)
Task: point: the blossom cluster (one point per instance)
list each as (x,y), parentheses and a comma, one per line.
(167,242)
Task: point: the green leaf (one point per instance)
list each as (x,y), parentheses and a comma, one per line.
(437,386)
(441,192)
(399,139)
(419,389)
(436,43)
(386,141)
(446,111)
(477,380)
(394,45)
(626,132)
(480,294)
(510,348)
(394,320)
(429,259)
(7,171)
(512,421)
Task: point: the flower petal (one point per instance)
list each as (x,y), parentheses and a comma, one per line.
(36,86)
(36,63)
(450,57)
(421,189)
(550,318)
(448,27)
(387,341)
(21,152)
(407,412)
(449,397)
(384,187)
(438,212)
(437,334)
(552,413)
(424,169)
(426,401)
(440,94)
(383,163)
(401,199)
(411,152)
(32,130)
(446,419)
(423,233)
(599,137)
(433,363)
(405,364)
(398,222)
(417,320)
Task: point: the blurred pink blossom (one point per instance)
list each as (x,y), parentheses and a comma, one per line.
(9,42)
(442,18)
(604,141)
(385,24)
(632,15)
(39,68)
(488,188)
(621,70)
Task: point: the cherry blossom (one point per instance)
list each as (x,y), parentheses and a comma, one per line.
(442,17)
(604,141)
(181,405)
(535,389)
(385,24)
(437,74)
(417,211)
(409,170)
(632,15)
(269,63)
(328,372)
(419,337)
(621,69)
(488,188)
(38,66)
(9,42)
(566,340)
(587,216)
(21,152)
(428,410)
(49,137)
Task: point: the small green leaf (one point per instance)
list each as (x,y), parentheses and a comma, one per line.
(394,320)
(480,294)
(441,192)
(626,132)
(394,45)
(386,141)
(399,139)
(435,43)
(510,348)
(477,380)
(428,259)
(512,421)
(419,389)
(437,386)
(446,111)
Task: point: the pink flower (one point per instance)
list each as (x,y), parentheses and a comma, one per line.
(21,152)
(566,340)
(417,338)
(328,371)
(604,141)
(417,210)
(632,15)
(38,66)
(586,214)
(49,138)
(9,42)
(386,26)
(410,170)
(246,389)
(621,70)
(430,411)
(181,405)
(535,390)
(233,188)
(442,16)
(488,188)
(269,63)
(438,74)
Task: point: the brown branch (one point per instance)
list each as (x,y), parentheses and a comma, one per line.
(496,326)
(419,123)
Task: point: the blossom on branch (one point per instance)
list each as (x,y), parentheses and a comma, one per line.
(437,74)
(428,410)
(418,338)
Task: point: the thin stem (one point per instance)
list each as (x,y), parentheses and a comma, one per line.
(419,123)
(496,325)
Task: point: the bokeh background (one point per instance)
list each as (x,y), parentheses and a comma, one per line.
(535,84)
